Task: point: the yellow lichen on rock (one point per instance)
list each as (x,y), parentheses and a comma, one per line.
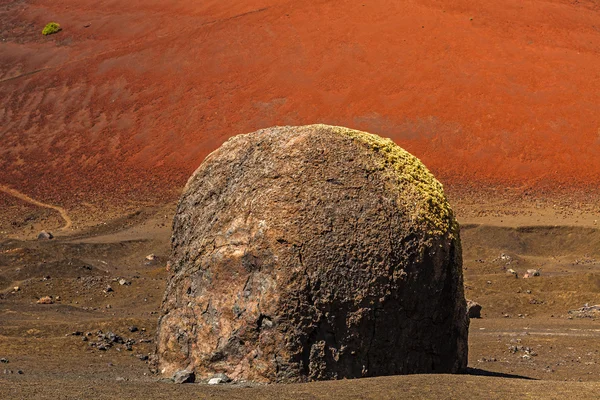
(414,180)
(50,28)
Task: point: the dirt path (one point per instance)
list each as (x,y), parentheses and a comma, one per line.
(24,197)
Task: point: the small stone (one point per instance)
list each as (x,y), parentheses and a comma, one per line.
(84,339)
(108,289)
(4,360)
(43,235)
(143,357)
(19,372)
(473,309)
(184,376)
(533,272)
(120,379)
(222,377)
(45,300)
(114,338)
(151,259)
(87,25)
(77,333)
(133,329)
(16,289)
(512,272)
(124,282)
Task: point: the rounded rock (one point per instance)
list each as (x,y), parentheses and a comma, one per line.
(310,253)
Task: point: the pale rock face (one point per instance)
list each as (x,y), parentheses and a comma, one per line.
(316,252)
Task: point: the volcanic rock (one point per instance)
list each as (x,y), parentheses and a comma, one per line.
(218,379)
(184,376)
(310,253)
(43,235)
(45,300)
(473,309)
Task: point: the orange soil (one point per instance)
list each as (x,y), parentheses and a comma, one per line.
(484,92)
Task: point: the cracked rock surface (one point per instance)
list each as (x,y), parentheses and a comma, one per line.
(311,253)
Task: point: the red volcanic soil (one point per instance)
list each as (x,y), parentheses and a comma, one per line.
(127,100)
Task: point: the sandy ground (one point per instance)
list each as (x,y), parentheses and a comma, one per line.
(123,104)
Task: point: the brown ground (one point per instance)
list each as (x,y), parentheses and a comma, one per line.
(526,342)
(499,98)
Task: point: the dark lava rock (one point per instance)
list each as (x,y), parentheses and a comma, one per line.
(184,377)
(133,329)
(473,309)
(43,235)
(309,253)
(114,338)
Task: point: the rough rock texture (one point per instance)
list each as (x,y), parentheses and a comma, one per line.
(315,252)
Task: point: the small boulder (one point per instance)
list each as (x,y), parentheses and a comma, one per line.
(184,376)
(43,235)
(124,282)
(473,309)
(533,272)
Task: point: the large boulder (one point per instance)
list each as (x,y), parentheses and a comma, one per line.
(313,252)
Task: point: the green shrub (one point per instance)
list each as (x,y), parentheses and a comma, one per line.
(50,28)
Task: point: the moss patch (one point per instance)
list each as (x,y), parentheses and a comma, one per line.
(50,28)
(417,185)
